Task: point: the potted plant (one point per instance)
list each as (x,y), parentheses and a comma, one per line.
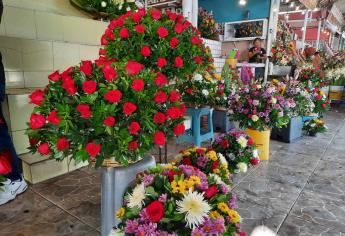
(178,200)
(238,149)
(314,126)
(258,109)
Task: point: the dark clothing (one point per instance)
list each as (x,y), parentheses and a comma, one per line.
(5,139)
(255,58)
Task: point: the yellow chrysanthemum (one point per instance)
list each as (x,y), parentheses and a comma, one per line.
(215,215)
(195,179)
(167,166)
(178,187)
(217,76)
(234,216)
(212,155)
(275,81)
(186,153)
(216,171)
(222,206)
(208,77)
(120,213)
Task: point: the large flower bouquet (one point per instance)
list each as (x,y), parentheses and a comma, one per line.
(207,25)
(207,160)
(314,126)
(257,107)
(281,55)
(238,149)
(320,100)
(178,201)
(103,110)
(312,77)
(106,9)
(163,42)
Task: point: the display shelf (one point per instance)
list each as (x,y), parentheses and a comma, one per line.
(163,3)
(232,30)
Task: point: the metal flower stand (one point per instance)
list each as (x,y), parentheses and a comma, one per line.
(114,184)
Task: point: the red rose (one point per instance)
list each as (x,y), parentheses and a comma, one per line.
(102,52)
(37,97)
(160,97)
(179,129)
(89,86)
(162,32)
(129,108)
(136,17)
(116,23)
(172,16)
(53,118)
(145,51)
(86,67)
(140,29)
(5,166)
(324,105)
(224,144)
(215,165)
(161,62)
(159,118)
(159,138)
(195,40)
(174,96)
(93,149)
(69,86)
(250,142)
(161,80)
(109,121)
(174,42)
(113,96)
(37,121)
(109,73)
(62,144)
(254,161)
(211,192)
(133,68)
(178,28)
(243,234)
(189,90)
(66,75)
(124,33)
(174,113)
(200,151)
(138,85)
(133,145)
(156,14)
(198,59)
(109,34)
(171,175)
(84,111)
(178,62)
(155,211)
(186,161)
(33,141)
(44,149)
(104,40)
(55,76)
(134,128)
(318,97)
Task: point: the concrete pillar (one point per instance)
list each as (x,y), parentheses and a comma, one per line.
(187,9)
(305,24)
(195,11)
(318,34)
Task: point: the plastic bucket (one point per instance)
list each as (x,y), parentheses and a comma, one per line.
(262,141)
(336,92)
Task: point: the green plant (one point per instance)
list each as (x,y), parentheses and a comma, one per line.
(339,82)
(314,126)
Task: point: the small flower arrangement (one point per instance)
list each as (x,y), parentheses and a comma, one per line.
(178,200)
(207,160)
(312,77)
(238,149)
(320,100)
(314,126)
(207,25)
(257,107)
(281,55)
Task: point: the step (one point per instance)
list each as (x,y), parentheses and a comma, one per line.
(35,167)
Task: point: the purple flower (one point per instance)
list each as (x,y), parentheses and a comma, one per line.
(198,232)
(131,226)
(224,188)
(148,179)
(147,229)
(163,198)
(202,161)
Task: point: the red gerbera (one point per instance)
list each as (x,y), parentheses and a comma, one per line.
(155,211)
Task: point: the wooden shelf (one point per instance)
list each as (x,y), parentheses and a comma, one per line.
(173,3)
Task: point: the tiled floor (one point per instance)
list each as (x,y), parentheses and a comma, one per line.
(299,192)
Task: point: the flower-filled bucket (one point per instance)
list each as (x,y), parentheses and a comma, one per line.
(262,141)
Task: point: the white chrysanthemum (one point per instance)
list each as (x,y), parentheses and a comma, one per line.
(136,199)
(103,4)
(198,77)
(195,207)
(128,9)
(255,118)
(116,232)
(242,167)
(216,178)
(205,92)
(255,153)
(242,141)
(222,159)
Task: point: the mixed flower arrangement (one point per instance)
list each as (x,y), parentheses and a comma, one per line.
(281,55)
(311,77)
(320,100)
(314,126)
(207,160)
(207,25)
(257,107)
(238,149)
(249,29)
(178,201)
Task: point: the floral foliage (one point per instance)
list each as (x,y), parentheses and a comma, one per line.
(311,77)
(238,149)
(178,200)
(314,126)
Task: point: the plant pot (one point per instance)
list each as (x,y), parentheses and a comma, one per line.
(262,140)
(289,133)
(336,92)
(312,134)
(115,181)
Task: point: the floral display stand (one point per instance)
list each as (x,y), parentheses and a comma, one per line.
(262,141)
(291,132)
(115,181)
(196,134)
(221,121)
